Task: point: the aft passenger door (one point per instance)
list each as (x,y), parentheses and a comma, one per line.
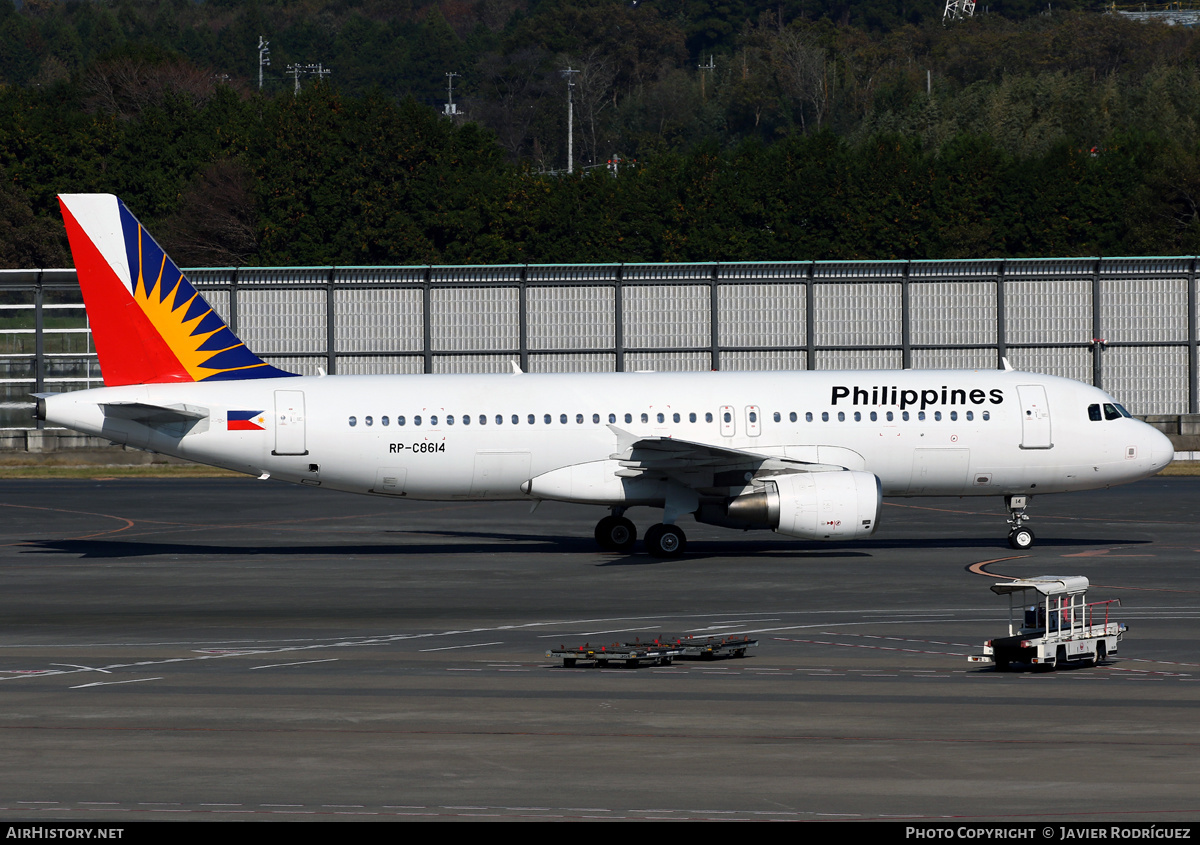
(289,423)
(1035,417)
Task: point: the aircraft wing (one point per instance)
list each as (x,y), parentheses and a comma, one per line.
(700,464)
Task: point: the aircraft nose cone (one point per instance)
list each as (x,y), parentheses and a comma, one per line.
(1162,451)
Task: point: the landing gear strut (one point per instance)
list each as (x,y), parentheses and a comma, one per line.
(1019,537)
(615,533)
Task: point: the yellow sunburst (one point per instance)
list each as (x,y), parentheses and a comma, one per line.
(170,321)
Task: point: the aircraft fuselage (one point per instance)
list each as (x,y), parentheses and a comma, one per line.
(921,432)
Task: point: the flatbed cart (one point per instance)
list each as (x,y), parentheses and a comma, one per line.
(660,651)
(1063,628)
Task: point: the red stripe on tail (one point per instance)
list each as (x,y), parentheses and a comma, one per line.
(130,348)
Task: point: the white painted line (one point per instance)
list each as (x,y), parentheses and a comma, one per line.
(114,683)
(472,645)
(84,668)
(300,663)
(598,633)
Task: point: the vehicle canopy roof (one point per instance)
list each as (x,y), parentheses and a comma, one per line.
(1047,585)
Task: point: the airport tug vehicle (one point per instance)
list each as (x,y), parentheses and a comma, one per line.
(1061,628)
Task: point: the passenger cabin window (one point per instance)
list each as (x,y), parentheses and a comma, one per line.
(353,421)
(368,420)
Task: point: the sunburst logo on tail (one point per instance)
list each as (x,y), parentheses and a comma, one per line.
(149,324)
(196,334)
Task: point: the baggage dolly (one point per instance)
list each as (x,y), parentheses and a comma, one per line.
(660,651)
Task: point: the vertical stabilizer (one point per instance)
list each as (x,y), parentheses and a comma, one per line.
(148,323)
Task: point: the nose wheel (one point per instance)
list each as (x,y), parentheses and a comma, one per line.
(1020,537)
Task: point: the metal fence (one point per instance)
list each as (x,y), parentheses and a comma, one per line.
(1127,325)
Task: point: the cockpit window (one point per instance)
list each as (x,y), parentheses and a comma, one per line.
(1124,412)
(1094,413)
(1111,412)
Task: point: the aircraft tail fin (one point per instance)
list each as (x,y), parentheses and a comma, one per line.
(149,324)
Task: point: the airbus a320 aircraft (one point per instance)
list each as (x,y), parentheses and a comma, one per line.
(807,454)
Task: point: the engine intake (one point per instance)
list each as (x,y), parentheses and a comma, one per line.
(813,505)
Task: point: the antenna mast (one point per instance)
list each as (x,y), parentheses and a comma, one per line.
(264,59)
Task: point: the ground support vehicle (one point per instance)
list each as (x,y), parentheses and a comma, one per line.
(661,650)
(1062,628)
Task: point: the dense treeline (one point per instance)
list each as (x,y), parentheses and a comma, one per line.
(823,130)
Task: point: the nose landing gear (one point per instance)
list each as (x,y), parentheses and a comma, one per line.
(1019,536)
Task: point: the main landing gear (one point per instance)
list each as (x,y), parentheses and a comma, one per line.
(665,540)
(615,533)
(1019,537)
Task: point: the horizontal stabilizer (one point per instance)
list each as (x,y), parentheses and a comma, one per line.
(148,414)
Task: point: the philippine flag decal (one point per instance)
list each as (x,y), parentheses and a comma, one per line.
(246,421)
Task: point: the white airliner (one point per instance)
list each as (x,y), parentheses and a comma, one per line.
(807,454)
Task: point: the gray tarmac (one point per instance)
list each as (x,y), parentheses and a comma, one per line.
(236,649)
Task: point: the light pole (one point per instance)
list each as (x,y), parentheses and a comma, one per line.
(568,73)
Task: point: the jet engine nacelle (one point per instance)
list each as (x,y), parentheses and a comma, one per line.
(814,505)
